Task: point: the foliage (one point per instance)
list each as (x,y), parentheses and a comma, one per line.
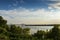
(2,21)
(14,32)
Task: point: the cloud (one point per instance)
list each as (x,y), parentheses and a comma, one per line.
(29,16)
(54,0)
(55,5)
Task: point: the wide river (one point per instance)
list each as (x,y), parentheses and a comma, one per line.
(34,29)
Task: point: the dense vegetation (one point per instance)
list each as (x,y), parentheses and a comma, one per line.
(13,32)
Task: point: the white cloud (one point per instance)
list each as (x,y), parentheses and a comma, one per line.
(22,15)
(55,5)
(54,0)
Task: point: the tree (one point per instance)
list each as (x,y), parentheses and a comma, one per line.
(3,31)
(4,37)
(39,35)
(54,33)
(2,21)
(26,31)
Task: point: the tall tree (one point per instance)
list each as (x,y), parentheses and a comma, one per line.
(54,33)
(2,21)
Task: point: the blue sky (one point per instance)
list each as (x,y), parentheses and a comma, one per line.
(13,4)
(30,11)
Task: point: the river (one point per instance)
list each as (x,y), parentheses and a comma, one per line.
(34,29)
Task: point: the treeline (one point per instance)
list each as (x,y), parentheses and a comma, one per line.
(13,32)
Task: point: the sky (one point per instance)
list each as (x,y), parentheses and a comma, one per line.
(30,11)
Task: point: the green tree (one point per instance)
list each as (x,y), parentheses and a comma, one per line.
(26,31)
(54,33)
(39,35)
(4,37)
(2,21)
